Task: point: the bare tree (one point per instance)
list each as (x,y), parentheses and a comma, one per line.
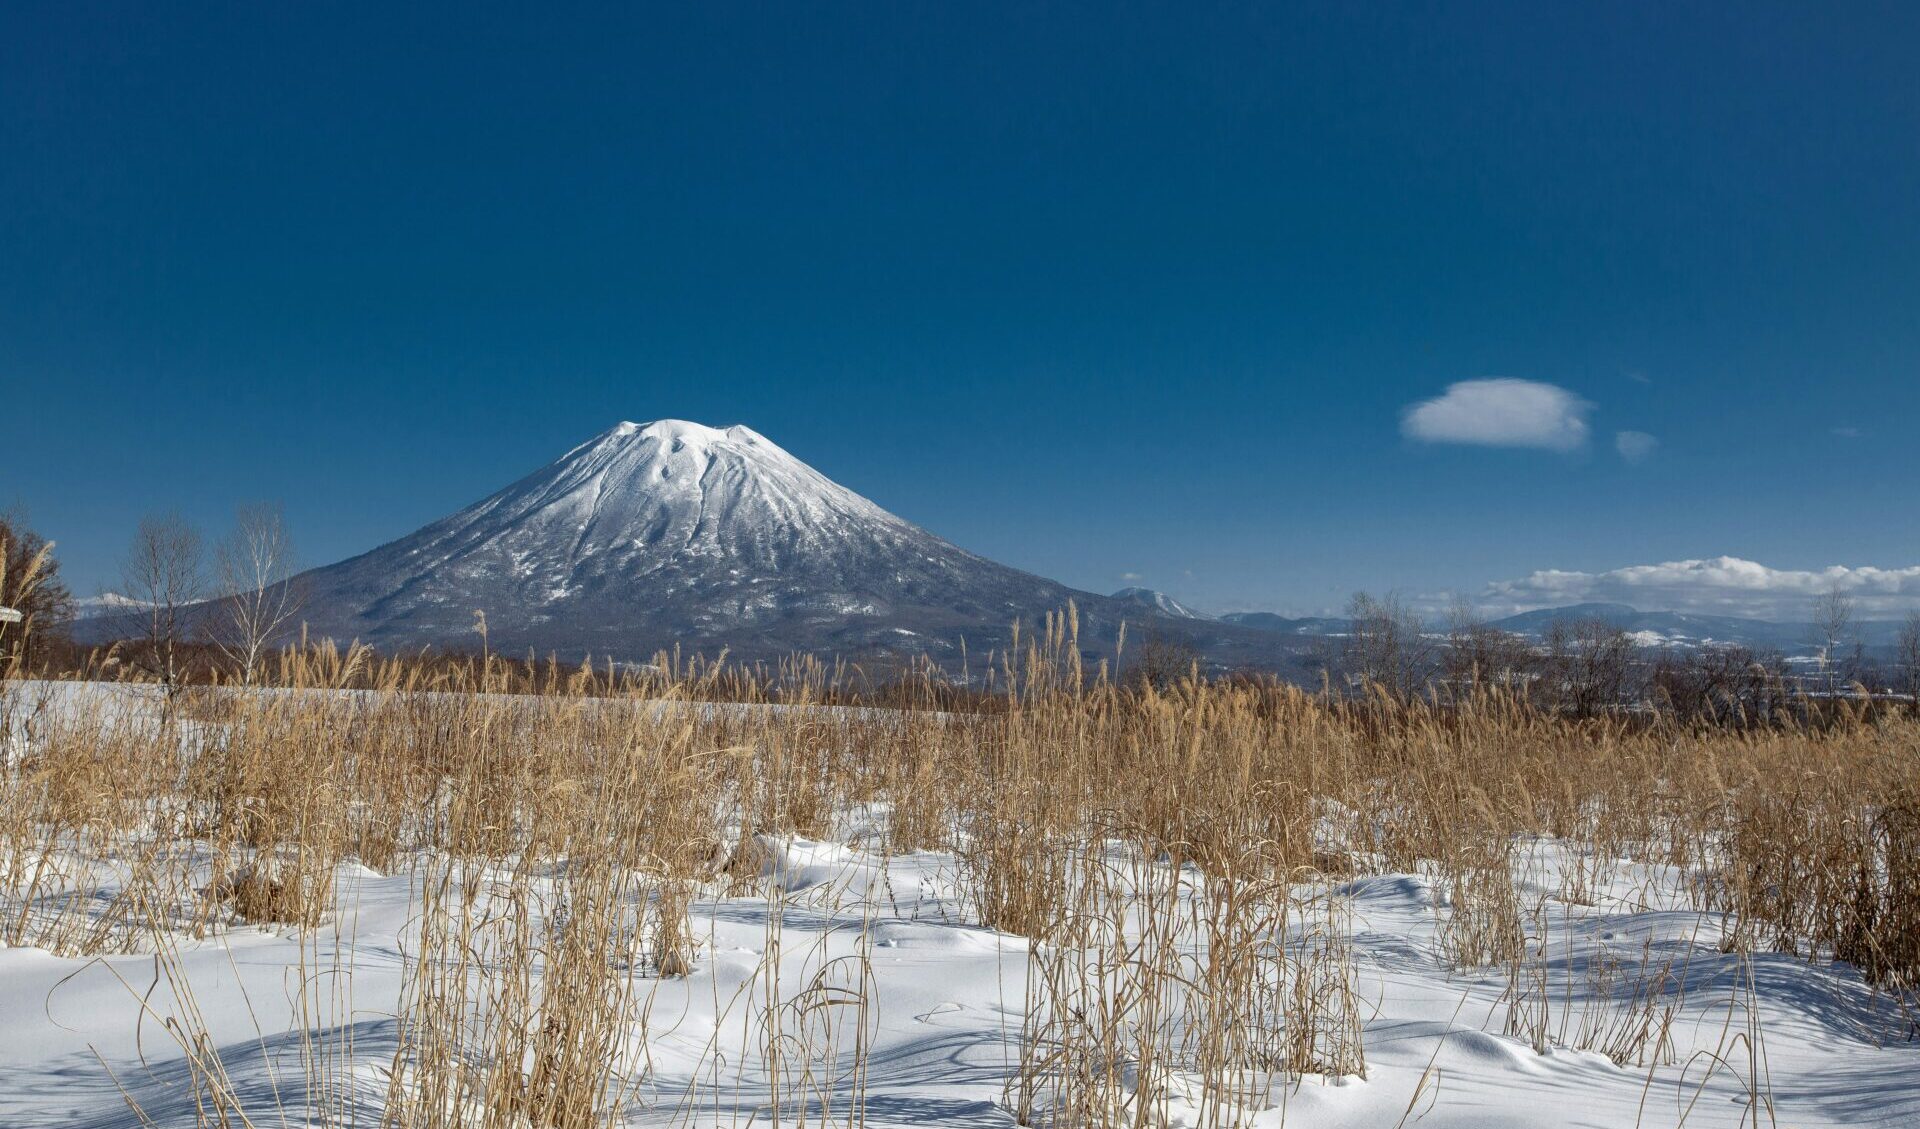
(255,567)
(1480,655)
(164,577)
(1162,662)
(1832,619)
(1593,665)
(1729,686)
(1906,658)
(1385,645)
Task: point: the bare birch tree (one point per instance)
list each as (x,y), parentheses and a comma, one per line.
(255,568)
(1478,655)
(1385,645)
(164,576)
(1832,619)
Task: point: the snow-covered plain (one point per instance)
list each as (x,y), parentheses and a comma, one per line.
(1770,1040)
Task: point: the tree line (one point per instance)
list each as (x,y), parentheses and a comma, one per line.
(182,603)
(1587,666)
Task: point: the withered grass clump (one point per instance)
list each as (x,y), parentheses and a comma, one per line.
(263,896)
(1177,854)
(1483,925)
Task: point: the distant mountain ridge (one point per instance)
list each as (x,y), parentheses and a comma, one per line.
(1692,629)
(1305,625)
(1649,629)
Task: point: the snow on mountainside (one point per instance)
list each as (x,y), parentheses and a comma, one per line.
(1160,602)
(652,535)
(106,604)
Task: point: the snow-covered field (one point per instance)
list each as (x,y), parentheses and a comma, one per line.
(890,1008)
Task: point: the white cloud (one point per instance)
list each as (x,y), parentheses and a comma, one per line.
(1501,412)
(1847,432)
(1635,446)
(1130,576)
(1719,585)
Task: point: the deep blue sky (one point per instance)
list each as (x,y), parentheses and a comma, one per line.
(1096,290)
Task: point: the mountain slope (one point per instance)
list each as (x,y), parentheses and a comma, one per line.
(1158,601)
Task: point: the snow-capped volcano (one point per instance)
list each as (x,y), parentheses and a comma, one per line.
(641,499)
(671,532)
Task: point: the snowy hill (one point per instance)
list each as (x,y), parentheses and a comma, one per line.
(1160,602)
(652,535)
(1308,625)
(1686,629)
